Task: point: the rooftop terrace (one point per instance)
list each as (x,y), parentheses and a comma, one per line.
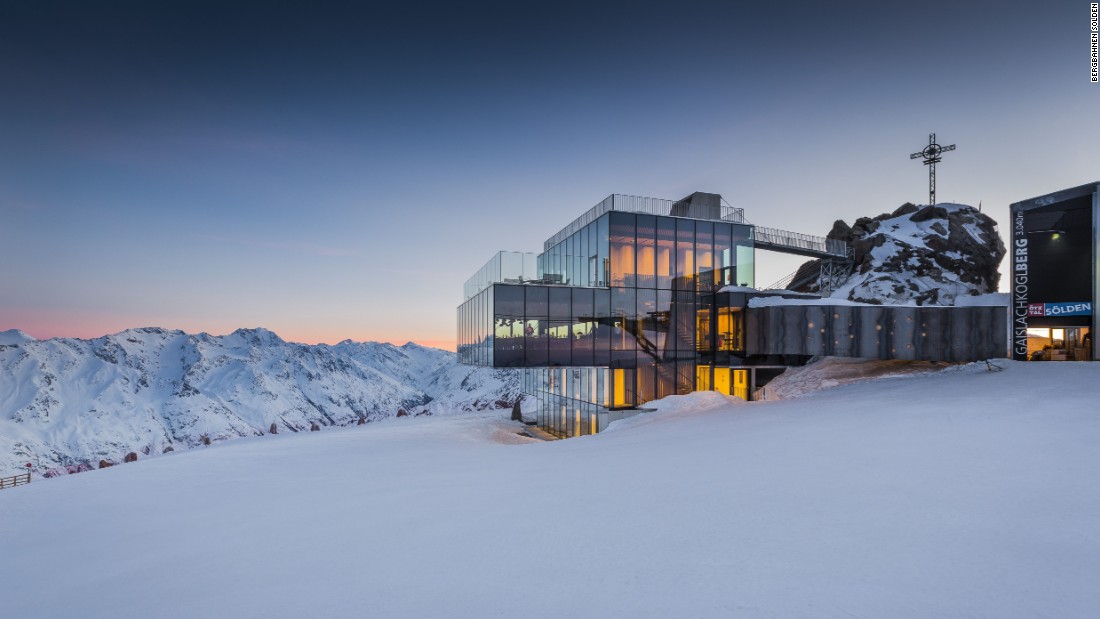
(696,206)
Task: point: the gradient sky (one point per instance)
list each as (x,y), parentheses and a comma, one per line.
(337,170)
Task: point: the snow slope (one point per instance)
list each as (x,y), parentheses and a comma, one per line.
(962,493)
(67,403)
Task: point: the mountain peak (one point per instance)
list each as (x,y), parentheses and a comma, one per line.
(259,335)
(15,336)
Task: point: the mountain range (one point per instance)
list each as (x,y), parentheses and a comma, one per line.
(67,404)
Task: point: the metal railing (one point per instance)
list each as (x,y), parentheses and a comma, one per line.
(504,266)
(648,206)
(786,238)
(784,282)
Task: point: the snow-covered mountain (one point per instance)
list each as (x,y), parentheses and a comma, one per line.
(66,404)
(927,255)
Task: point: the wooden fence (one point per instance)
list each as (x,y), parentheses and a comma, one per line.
(15,480)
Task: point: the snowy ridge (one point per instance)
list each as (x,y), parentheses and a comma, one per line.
(66,404)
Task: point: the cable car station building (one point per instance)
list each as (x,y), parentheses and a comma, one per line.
(1056,275)
(641,298)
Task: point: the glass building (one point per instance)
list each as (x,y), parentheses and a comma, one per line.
(619,309)
(641,298)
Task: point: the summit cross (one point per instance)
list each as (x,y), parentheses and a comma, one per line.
(931,154)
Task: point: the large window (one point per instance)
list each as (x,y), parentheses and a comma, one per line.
(476,329)
(745,267)
(509,326)
(685,255)
(622,249)
(604,329)
(666,251)
(646,252)
(602,246)
(704,255)
(583,326)
(724,256)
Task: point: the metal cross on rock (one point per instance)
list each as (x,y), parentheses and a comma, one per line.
(931,154)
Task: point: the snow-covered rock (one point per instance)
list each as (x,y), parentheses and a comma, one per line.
(923,255)
(69,402)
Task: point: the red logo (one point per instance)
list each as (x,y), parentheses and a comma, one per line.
(1036,309)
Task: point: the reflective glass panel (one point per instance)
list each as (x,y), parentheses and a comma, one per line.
(622,249)
(666,251)
(646,253)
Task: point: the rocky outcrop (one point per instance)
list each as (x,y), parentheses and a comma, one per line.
(923,255)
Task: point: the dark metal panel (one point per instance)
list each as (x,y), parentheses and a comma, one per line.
(843,337)
(814,338)
(880,332)
(905,333)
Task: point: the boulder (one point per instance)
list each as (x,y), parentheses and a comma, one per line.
(905,209)
(130,457)
(105,463)
(313,427)
(928,255)
(274,429)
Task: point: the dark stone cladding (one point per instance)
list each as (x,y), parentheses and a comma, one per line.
(915,333)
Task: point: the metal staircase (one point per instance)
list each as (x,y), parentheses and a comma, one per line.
(830,274)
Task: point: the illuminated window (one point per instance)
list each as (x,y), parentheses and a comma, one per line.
(647,251)
(622,249)
(666,247)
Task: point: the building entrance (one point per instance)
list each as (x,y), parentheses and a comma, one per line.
(1059,344)
(726,380)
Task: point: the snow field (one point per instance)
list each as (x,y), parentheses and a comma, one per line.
(938,494)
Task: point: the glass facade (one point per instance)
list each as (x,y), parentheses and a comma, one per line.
(622,311)
(475,334)
(504,266)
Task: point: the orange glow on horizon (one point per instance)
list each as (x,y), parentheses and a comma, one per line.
(57,324)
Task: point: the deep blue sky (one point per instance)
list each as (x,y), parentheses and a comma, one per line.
(337,170)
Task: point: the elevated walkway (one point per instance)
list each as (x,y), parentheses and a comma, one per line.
(831,266)
(807,245)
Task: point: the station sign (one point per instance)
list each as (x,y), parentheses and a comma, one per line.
(1059,309)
